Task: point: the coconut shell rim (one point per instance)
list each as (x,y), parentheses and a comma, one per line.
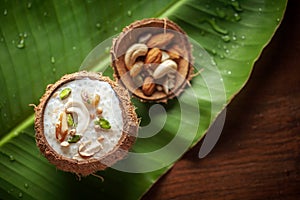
(89,166)
(142,23)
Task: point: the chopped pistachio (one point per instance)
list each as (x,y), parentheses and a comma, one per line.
(74,138)
(65,93)
(103,123)
(70,120)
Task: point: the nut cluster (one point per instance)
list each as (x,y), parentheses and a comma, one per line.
(74,119)
(152,62)
(152,58)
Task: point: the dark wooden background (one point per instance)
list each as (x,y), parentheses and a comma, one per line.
(258,153)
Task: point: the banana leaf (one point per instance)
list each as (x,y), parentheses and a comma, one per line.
(42,40)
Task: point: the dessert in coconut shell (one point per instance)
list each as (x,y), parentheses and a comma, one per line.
(85,122)
(152,58)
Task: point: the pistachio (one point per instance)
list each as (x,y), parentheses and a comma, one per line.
(103,123)
(74,138)
(164,68)
(83,116)
(70,120)
(65,93)
(133,52)
(136,69)
(88,149)
(148,86)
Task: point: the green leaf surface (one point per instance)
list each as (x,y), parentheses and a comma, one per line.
(42,40)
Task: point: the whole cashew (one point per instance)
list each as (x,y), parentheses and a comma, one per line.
(83,115)
(133,52)
(164,68)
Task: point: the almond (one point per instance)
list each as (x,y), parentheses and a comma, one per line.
(160,40)
(148,86)
(153,56)
(175,52)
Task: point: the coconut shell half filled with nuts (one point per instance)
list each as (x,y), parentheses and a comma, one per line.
(152,58)
(85,122)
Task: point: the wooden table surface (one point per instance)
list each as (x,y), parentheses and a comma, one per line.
(258,153)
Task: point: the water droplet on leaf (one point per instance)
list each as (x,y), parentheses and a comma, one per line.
(226,38)
(278,20)
(98,25)
(20,195)
(214,52)
(234,38)
(243,37)
(237,17)
(21,43)
(11,158)
(116,29)
(29,4)
(5,12)
(52,59)
(129,13)
(26,185)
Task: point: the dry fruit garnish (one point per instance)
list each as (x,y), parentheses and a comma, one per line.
(65,124)
(152,58)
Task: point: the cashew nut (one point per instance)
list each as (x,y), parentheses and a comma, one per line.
(136,68)
(164,68)
(87,149)
(133,52)
(82,113)
(164,56)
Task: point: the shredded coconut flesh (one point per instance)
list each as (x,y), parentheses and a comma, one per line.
(96,114)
